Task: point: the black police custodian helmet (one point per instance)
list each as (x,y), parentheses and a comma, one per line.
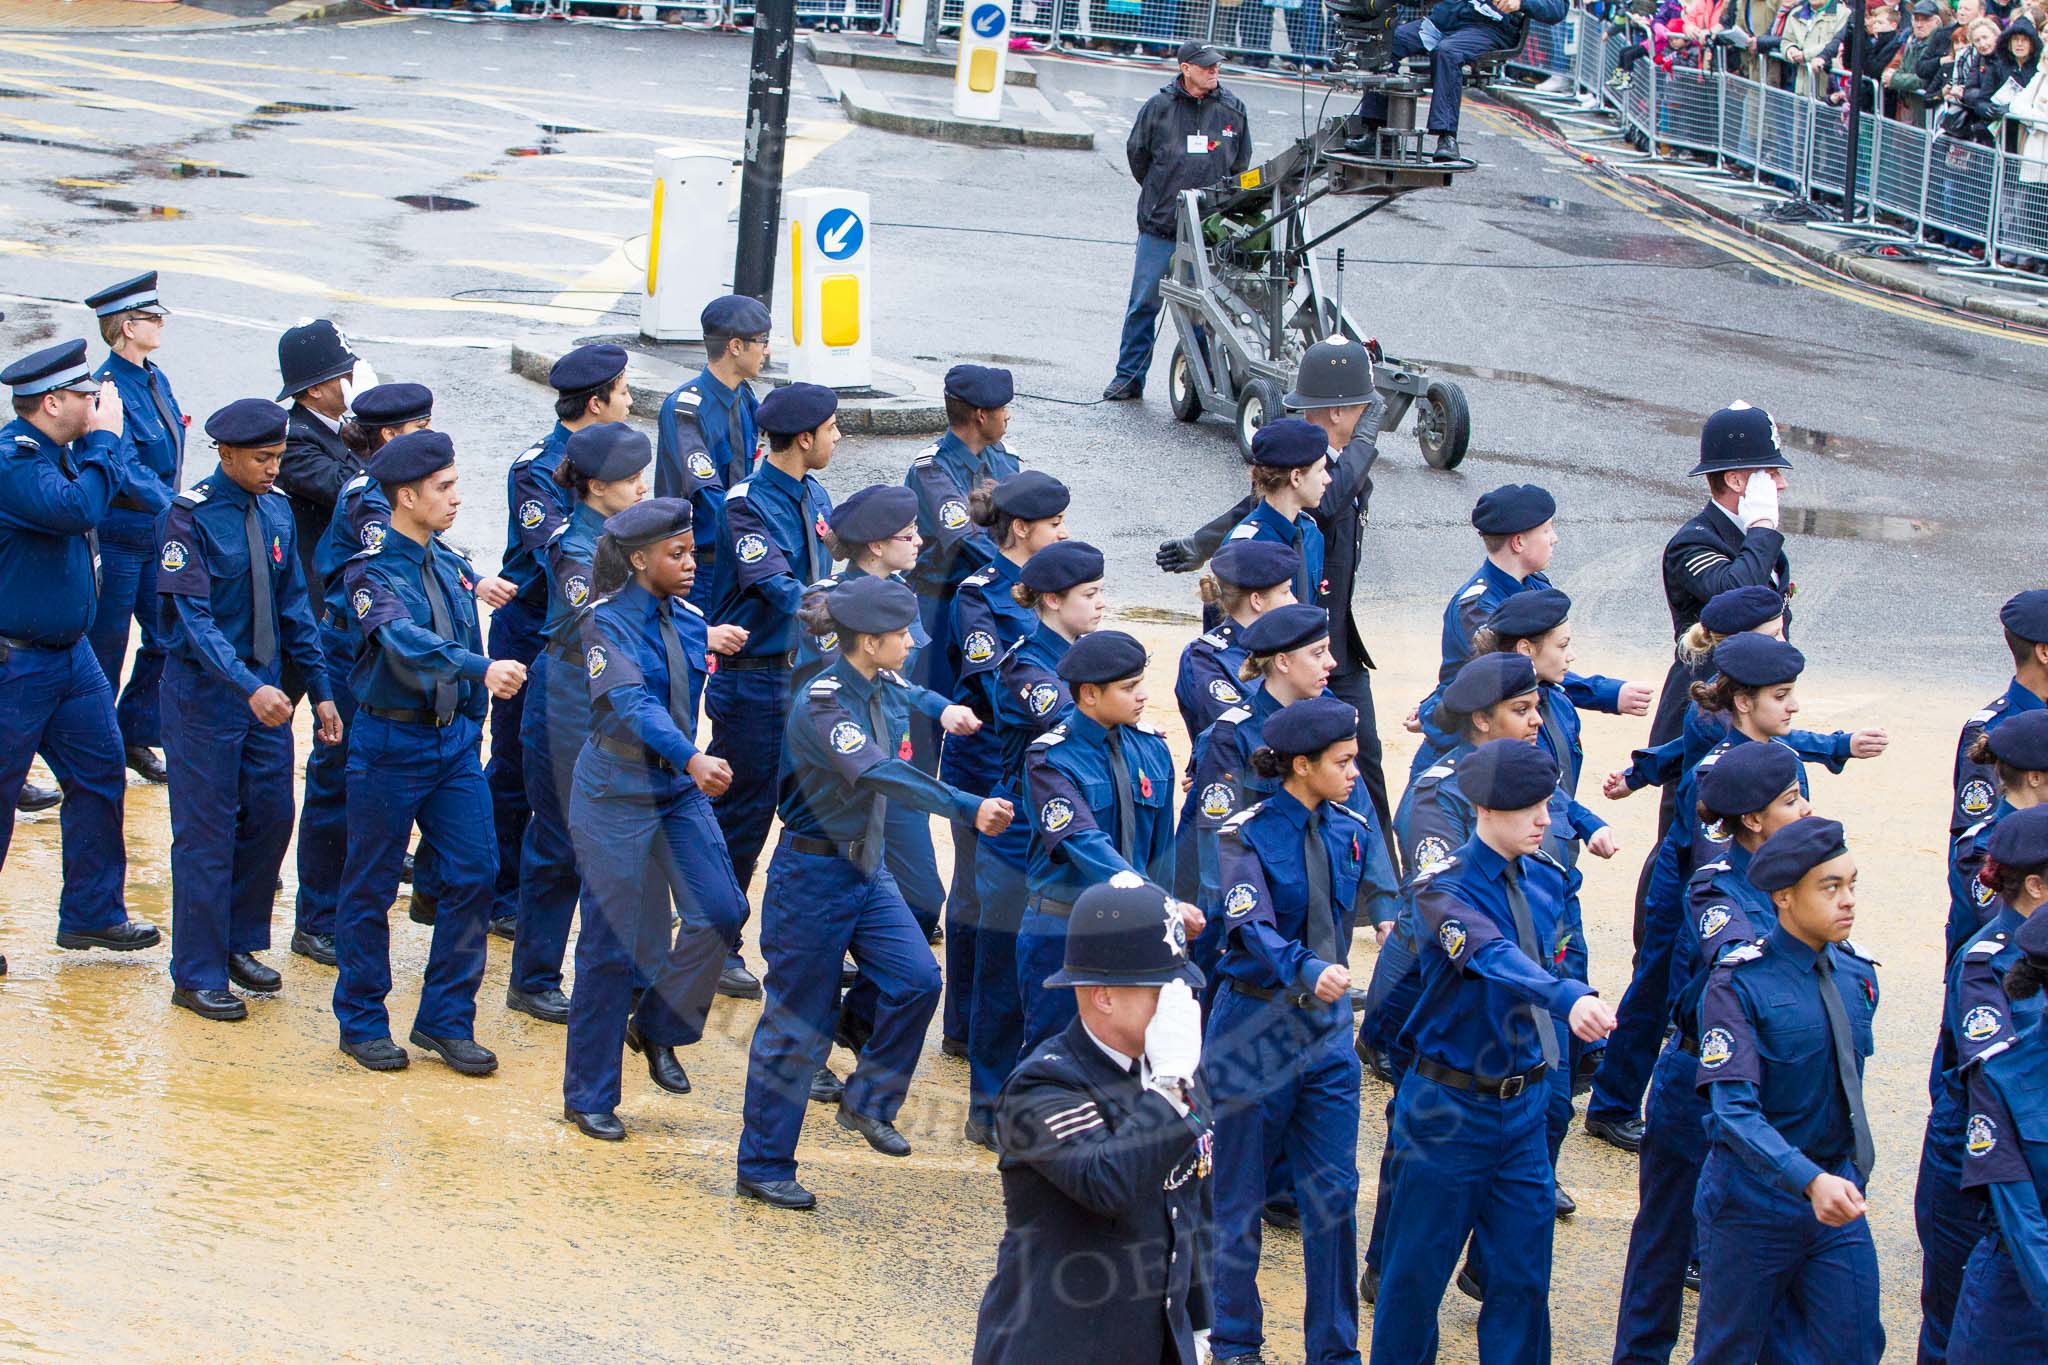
(312,353)
(1125,932)
(1334,374)
(1739,437)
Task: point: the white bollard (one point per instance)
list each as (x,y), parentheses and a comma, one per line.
(984,50)
(685,271)
(910,23)
(821,295)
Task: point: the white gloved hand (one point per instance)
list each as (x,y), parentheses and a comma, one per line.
(1173,1040)
(1759,503)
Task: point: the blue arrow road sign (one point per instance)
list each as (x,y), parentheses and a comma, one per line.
(839,233)
(988,20)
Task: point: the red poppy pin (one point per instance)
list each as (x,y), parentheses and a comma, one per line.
(467,586)
(1356,854)
(710,664)
(1144,786)
(276,550)
(903,749)
(820,523)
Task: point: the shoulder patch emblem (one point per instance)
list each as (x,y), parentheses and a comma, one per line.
(847,737)
(1976,796)
(1981,1023)
(1222,691)
(1042,698)
(828,642)
(1717,1046)
(577,589)
(1714,832)
(751,548)
(1056,815)
(1712,921)
(1217,799)
(360,601)
(1451,937)
(596,660)
(531,513)
(175,556)
(1980,1136)
(372,535)
(979,646)
(952,514)
(1432,852)
(1239,900)
(701,466)
(1981,894)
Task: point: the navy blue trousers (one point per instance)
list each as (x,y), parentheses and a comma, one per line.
(747,711)
(630,819)
(1644,1012)
(1949,1226)
(399,774)
(1041,951)
(515,634)
(323,817)
(816,909)
(231,817)
(1995,1323)
(1662,1238)
(128,555)
(551,734)
(970,764)
(56,702)
(1283,1081)
(911,860)
(995,1019)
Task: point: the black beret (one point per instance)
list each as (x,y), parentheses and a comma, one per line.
(137,292)
(1285,628)
(2026,615)
(735,315)
(411,456)
(1061,566)
(1513,508)
(608,450)
(1102,656)
(1752,660)
(1529,614)
(1255,564)
(1507,774)
(54,367)
(1794,851)
(2022,741)
(1748,777)
(1489,679)
(587,367)
(795,409)
(1740,609)
(1310,725)
(1289,443)
(2021,838)
(871,606)
(393,405)
(649,522)
(874,513)
(1739,437)
(980,386)
(250,423)
(1031,495)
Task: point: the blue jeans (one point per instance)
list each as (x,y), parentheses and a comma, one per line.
(1447,76)
(1141,313)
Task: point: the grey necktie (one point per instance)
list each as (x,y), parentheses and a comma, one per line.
(815,562)
(444,626)
(92,538)
(1320,935)
(678,669)
(738,459)
(1845,1066)
(1126,810)
(878,808)
(1525,936)
(262,612)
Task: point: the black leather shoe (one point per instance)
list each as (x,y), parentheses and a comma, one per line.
(603,1127)
(465,1055)
(1369,1286)
(422,908)
(952,1047)
(251,975)
(1283,1216)
(1586,1068)
(147,765)
(1446,148)
(881,1135)
(1566,1205)
(210,1004)
(125,937)
(826,1087)
(379,1054)
(3,964)
(935,935)
(549,1006)
(737,983)
(1123,390)
(1692,1276)
(1626,1134)
(319,947)
(505,927)
(781,1194)
(1357,997)
(852,1034)
(35,796)
(405,870)
(662,1067)
(1469,1286)
(980,1135)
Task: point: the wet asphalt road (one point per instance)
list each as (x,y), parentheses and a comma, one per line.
(267,172)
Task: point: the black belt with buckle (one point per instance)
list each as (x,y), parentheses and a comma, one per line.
(1689,1046)
(1498,1087)
(1299,999)
(756,663)
(8,644)
(128,504)
(824,848)
(1057,909)
(413,717)
(632,753)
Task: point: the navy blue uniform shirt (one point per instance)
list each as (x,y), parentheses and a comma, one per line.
(535,505)
(773,549)
(1076,835)
(942,477)
(1266,906)
(362,517)
(153,429)
(706,442)
(626,658)
(50,496)
(2006,1151)
(1976,784)
(566,563)
(835,764)
(401,657)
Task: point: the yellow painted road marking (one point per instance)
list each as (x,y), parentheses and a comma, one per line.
(363,148)
(117,103)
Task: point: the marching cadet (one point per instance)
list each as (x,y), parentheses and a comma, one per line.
(590,388)
(603,471)
(321,447)
(1754,791)
(2002,1314)
(1098,788)
(1246,579)
(1061,586)
(233,607)
(60,464)
(131,316)
(774,548)
(828,892)
(640,789)
(1785,1027)
(708,435)
(1282,1073)
(420,682)
(1107,1153)
(2009,760)
(2024,618)
(1022,515)
(1469,1127)
(1977,1015)
(1290,471)
(361,519)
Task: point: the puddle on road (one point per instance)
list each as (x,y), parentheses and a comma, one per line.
(300,107)
(1656,248)
(202,170)
(561,128)
(131,209)
(1551,203)
(1834,524)
(435,203)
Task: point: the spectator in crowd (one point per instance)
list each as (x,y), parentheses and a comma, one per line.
(1745,19)
(1803,30)
(1915,71)
(1881,42)
(1967,112)
(1680,31)
(2014,65)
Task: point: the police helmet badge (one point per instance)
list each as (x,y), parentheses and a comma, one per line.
(1712,921)
(372,535)
(1217,800)
(1056,814)
(847,737)
(577,589)
(952,514)
(1977,796)
(595,660)
(1717,1045)
(1043,697)
(531,513)
(175,556)
(1176,932)
(751,548)
(1239,900)
(701,466)
(979,647)
(360,601)
(1451,937)
(1980,1135)
(1222,691)
(1432,852)
(1981,1023)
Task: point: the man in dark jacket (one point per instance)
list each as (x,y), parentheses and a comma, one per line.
(1191,134)
(312,360)
(1917,74)
(1455,32)
(1106,1155)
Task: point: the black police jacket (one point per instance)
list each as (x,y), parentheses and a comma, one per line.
(1158,149)
(1708,556)
(1106,1198)
(316,463)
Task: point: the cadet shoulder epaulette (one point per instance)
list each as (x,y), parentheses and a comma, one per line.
(738,490)
(355,485)
(1437,772)
(1540,856)
(1212,639)
(1449,861)
(1244,531)
(192,496)
(1236,715)
(893,676)
(1230,825)
(525,456)
(688,397)
(2005,1044)
(27,443)
(1475,590)
(827,583)
(1055,735)
(926,456)
(824,687)
(1971,832)
(1748,952)
(1146,727)
(980,578)
(1706,872)
(1987,947)
(1849,945)
(1339,808)
(687,605)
